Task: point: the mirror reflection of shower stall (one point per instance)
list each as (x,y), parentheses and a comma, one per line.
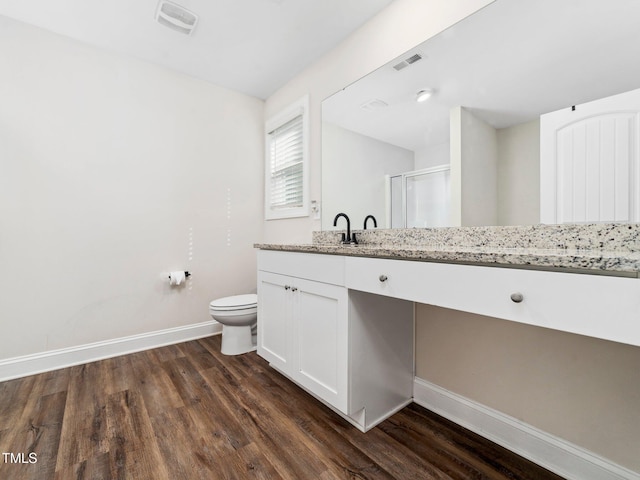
(420,198)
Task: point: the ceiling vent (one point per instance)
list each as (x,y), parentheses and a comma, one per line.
(408,61)
(373,105)
(175,17)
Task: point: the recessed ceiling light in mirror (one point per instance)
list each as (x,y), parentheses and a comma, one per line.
(424,95)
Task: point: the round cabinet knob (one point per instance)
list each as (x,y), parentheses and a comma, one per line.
(517,297)
(294,289)
(382,278)
(287,287)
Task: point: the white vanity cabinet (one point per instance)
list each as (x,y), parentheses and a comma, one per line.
(342,326)
(303,323)
(352,350)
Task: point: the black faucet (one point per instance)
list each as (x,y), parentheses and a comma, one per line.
(348,238)
(375,223)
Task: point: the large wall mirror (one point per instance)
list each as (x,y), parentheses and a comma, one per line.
(470,153)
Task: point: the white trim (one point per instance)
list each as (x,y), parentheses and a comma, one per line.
(296,108)
(551,452)
(368,426)
(66,357)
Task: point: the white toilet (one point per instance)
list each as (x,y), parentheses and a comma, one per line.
(238,316)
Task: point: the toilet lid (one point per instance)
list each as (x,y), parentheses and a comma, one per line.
(235,302)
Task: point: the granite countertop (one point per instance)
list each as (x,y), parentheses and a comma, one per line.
(609,249)
(574,260)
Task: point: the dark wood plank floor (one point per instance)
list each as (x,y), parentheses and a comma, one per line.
(187,412)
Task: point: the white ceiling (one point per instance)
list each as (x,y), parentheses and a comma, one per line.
(509,63)
(251,46)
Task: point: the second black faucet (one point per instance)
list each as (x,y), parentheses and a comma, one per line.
(375,223)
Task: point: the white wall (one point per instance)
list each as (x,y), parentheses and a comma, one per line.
(114,172)
(349,155)
(474,170)
(519,174)
(433,156)
(399,27)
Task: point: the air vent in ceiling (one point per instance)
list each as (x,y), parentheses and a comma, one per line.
(374,104)
(175,17)
(408,61)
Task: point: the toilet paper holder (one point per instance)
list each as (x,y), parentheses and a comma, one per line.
(186,275)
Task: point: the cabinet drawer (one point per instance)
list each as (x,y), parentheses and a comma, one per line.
(318,267)
(593,305)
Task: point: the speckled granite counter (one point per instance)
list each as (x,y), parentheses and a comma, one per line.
(609,249)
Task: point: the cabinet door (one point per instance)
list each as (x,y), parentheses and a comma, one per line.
(321,340)
(274,320)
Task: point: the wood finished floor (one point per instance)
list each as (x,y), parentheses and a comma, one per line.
(187,412)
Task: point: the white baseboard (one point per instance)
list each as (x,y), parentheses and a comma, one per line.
(66,357)
(552,453)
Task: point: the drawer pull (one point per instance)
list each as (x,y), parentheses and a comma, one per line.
(294,289)
(382,278)
(287,287)
(517,297)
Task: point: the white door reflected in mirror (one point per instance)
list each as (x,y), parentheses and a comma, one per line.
(589,162)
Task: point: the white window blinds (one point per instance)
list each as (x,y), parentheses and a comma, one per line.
(286,162)
(286,155)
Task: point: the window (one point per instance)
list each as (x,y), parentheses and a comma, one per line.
(286,169)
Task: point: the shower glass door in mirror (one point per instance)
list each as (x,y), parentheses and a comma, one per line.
(420,199)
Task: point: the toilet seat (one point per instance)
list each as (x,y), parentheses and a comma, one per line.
(234,303)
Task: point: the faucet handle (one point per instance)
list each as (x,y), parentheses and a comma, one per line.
(353,239)
(344,238)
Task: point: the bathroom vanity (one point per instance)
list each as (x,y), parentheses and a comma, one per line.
(352,350)
(338,319)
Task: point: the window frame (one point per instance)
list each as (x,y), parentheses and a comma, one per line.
(299,107)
